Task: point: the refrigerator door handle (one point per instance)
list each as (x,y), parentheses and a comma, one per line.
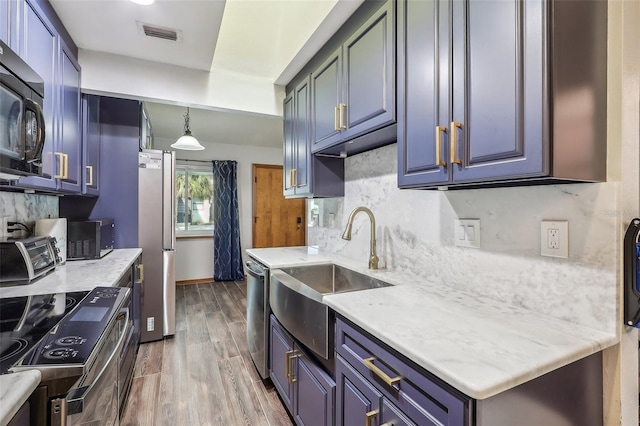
(168,201)
(169,292)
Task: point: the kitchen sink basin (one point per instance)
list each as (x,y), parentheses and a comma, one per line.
(296,294)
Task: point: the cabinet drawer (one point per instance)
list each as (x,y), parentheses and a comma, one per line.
(414,391)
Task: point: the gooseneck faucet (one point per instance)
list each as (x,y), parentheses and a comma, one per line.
(373,258)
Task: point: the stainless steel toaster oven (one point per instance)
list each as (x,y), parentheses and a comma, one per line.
(25,259)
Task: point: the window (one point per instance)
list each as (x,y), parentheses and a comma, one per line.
(194,200)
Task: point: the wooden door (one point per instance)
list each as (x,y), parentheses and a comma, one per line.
(277,222)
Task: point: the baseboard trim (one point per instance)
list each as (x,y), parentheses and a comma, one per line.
(198,281)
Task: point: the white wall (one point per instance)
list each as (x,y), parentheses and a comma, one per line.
(194,257)
(115,75)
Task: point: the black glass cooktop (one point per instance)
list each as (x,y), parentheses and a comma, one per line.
(24,321)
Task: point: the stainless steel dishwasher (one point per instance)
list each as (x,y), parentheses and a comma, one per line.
(258,315)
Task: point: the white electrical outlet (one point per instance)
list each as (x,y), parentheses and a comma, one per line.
(554,238)
(150,324)
(467,232)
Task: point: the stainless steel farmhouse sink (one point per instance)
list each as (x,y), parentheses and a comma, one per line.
(296,295)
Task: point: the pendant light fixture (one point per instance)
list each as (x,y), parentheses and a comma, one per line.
(186,141)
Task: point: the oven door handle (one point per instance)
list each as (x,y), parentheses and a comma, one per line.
(77,398)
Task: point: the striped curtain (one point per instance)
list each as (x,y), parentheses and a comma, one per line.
(227,254)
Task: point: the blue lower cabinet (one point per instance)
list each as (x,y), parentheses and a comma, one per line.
(357,401)
(307,391)
(377,386)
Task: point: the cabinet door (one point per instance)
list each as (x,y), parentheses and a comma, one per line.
(302,152)
(315,394)
(355,398)
(9,19)
(369,74)
(280,351)
(91,144)
(40,52)
(289,145)
(424,84)
(391,415)
(498,88)
(70,142)
(325,102)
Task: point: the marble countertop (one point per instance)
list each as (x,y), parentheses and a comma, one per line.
(477,345)
(15,389)
(80,275)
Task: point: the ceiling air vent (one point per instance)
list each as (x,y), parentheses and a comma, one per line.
(164,33)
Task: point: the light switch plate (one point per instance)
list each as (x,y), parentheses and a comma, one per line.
(554,238)
(467,232)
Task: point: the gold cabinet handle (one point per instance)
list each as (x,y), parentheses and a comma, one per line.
(368,362)
(336,118)
(90,180)
(66,166)
(60,156)
(370,416)
(454,142)
(343,107)
(294,179)
(141,273)
(290,356)
(287,369)
(439,160)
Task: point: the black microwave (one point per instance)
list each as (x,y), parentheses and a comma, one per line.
(21,119)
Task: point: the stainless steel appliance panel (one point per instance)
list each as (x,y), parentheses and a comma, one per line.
(156,236)
(258,316)
(169,292)
(169,208)
(22,123)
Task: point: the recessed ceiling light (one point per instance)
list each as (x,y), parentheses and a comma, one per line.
(143,2)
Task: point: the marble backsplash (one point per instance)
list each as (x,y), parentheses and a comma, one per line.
(26,208)
(415,233)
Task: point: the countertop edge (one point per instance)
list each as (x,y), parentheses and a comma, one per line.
(15,389)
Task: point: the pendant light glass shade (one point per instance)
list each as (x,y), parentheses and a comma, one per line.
(186,141)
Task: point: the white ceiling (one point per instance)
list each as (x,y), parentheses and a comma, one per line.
(261,38)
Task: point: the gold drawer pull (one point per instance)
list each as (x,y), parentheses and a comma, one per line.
(60,156)
(141,275)
(369,416)
(368,362)
(287,370)
(454,142)
(343,107)
(90,180)
(439,160)
(336,119)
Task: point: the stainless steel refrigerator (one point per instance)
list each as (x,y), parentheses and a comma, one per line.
(157,238)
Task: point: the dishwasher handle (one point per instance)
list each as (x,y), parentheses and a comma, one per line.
(256,269)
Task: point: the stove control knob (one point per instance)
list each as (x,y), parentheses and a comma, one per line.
(59,353)
(71,340)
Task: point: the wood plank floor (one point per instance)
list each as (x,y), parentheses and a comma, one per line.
(204,374)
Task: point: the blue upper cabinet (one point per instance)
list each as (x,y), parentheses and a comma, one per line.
(45,50)
(70,139)
(10,12)
(485,92)
(306,175)
(91,138)
(353,90)
(40,51)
